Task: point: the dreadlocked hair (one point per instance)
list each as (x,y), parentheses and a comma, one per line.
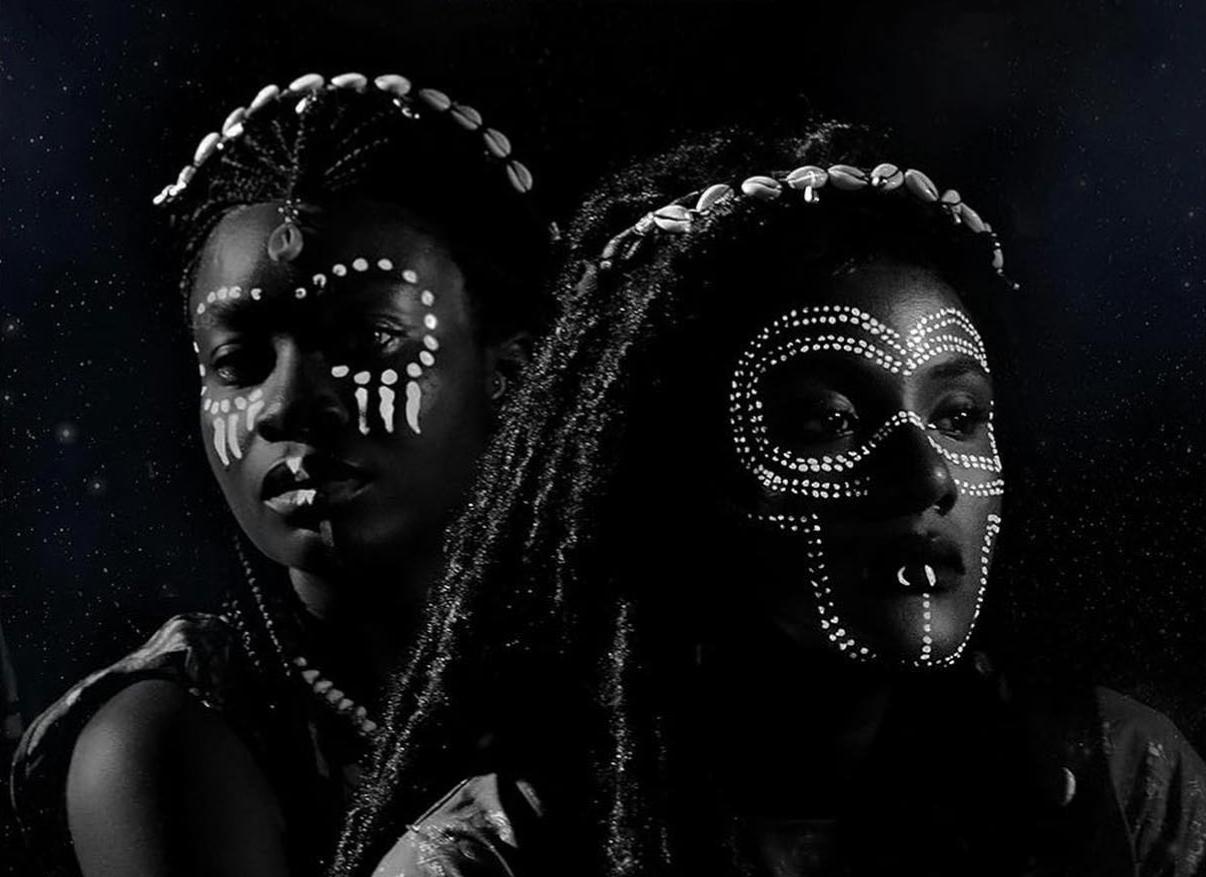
(345,144)
(562,629)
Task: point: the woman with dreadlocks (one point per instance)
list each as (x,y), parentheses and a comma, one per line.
(714,608)
(362,275)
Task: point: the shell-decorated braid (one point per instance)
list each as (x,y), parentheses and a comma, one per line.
(411,103)
(804,183)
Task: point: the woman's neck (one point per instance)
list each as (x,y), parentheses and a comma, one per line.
(365,622)
(800,725)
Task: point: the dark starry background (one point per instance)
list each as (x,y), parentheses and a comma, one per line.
(1079,128)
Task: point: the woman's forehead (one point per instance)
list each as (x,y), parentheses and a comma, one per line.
(898,295)
(340,245)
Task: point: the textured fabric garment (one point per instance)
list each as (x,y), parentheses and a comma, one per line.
(1136,803)
(203,654)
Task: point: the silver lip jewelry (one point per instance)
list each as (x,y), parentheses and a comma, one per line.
(679,216)
(412,104)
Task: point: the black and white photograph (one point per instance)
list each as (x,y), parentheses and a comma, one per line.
(608,438)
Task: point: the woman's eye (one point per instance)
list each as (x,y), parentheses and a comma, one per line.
(374,341)
(827,425)
(240,366)
(959,421)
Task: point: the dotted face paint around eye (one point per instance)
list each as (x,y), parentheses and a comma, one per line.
(384,390)
(839,328)
(227,438)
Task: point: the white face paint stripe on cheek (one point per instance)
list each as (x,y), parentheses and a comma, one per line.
(386,396)
(362,378)
(414,400)
(232,435)
(220,439)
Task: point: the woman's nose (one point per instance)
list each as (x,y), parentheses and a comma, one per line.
(302,401)
(914,474)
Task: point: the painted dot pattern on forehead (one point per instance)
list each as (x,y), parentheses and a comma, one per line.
(317,285)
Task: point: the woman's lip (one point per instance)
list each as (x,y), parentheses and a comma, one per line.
(904,575)
(314,499)
(310,471)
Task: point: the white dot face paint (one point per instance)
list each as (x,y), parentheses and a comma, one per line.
(234,418)
(823,487)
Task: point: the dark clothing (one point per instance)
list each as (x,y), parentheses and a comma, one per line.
(1131,800)
(293,743)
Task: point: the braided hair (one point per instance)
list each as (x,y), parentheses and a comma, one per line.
(322,145)
(569,572)
(340,143)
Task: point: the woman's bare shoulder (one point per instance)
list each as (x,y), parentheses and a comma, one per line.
(159,783)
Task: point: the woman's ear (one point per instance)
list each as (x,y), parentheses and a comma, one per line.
(505,364)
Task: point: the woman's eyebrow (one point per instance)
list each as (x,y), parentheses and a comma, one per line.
(957,367)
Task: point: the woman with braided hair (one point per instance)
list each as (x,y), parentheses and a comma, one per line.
(715,606)
(362,275)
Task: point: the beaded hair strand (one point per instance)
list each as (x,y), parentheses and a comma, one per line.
(546,581)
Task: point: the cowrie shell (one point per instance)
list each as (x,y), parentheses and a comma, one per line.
(309,82)
(809,176)
(437,100)
(921,185)
(886,177)
(673,218)
(354,81)
(467,117)
(712,194)
(236,117)
(972,219)
(847,177)
(497,143)
(186,174)
(392,83)
(206,147)
(762,188)
(265,96)
(520,176)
